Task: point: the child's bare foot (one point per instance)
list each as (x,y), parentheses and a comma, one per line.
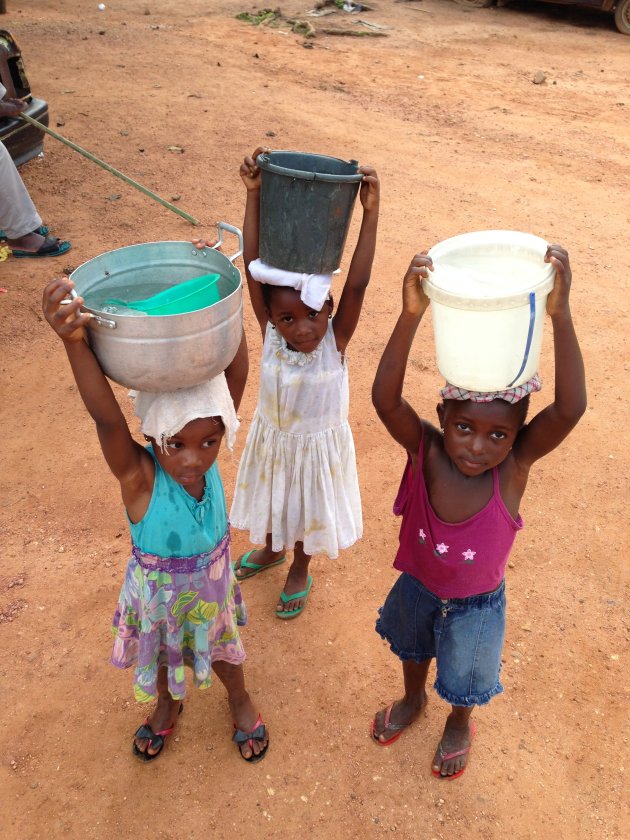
(253,562)
(402,713)
(297,582)
(246,719)
(452,752)
(164,717)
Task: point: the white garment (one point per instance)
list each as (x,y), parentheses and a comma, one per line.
(18,215)
(314,289)
(297,479)
(165,414)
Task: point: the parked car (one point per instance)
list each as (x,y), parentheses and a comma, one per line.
(23,140)
(620,8)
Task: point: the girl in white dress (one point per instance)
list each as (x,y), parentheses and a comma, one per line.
(297,485)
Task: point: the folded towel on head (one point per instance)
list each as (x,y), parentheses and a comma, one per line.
(511,395)
(165,414)
(314,289)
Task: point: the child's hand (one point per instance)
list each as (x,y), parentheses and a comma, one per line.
(415,301)
(250,171)
(370,188)
(65,319)
(558,300)
(200,244)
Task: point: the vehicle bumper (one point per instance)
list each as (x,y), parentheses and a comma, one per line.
(23,140)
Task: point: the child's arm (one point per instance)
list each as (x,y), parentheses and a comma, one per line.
(250,173)
(236,373)
(549,428)
(126,459)
(347,316)
(400,420)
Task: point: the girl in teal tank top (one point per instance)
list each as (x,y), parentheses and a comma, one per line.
(176,524)
(180,603)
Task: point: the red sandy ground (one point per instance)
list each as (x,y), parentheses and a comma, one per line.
(446,110)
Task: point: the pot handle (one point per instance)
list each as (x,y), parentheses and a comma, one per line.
(104,322)
(223,226)
(264,162)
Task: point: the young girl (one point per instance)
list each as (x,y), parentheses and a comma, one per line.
(179,603)
(459,499)
(297,485)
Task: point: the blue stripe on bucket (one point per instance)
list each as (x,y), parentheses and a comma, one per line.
(530,333)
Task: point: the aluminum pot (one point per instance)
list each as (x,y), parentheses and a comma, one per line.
(169,352)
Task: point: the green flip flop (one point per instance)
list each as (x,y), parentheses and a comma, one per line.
(255,568)
(50,247)
(296,596)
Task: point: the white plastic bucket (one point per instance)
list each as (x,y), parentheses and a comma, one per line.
(488,293)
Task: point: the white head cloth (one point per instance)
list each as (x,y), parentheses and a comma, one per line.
(314,289)
(165,414)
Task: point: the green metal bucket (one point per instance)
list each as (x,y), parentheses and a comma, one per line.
(306,203)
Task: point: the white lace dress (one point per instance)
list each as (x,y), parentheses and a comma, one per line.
(297,479)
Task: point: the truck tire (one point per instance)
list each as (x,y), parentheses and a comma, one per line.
(622,16)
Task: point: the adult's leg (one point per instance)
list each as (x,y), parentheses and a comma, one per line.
(243,710)
(407,709)
(18,216)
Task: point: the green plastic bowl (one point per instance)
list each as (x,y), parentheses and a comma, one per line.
(188,296)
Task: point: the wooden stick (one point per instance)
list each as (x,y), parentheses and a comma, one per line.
(111,169)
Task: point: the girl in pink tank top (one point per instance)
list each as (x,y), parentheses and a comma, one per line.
(459,500)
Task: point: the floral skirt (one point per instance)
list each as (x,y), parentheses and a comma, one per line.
(174,612)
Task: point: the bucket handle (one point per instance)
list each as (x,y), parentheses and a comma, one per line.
(224,226)
(263,161)
(530,333)
(104,322)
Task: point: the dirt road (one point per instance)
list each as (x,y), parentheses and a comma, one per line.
(446,109)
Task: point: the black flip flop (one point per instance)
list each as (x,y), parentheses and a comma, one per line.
(155,739)
(257,734)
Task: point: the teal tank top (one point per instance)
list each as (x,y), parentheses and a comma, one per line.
(176,524)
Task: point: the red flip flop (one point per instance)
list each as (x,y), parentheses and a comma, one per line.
(399,728)
(448,756)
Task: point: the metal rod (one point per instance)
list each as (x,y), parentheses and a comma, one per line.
(111,169)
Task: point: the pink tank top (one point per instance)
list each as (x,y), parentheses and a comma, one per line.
(452,559)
